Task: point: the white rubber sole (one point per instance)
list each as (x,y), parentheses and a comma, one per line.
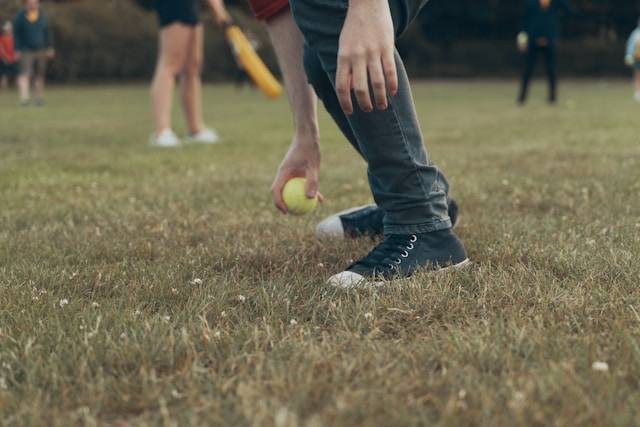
(350,280)
(190,140)
(331,228)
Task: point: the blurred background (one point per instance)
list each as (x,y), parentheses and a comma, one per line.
(115,40)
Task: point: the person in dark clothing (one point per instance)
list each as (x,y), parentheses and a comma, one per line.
(34,46)
(541,28)
(351,61)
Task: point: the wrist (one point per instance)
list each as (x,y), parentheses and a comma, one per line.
(308,134)
(306,141)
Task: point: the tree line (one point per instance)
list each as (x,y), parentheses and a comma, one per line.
(116,39)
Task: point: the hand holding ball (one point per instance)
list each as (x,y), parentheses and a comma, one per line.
(296,199)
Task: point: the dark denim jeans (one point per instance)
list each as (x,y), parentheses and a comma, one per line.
(405,184)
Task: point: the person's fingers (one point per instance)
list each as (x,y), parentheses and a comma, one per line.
(378,83)
(276,192)
(343,84)
(390,72)
(311,183)
(361,85)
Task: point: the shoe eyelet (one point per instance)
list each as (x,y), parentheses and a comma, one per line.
(413,238)
(410,247)
(404,254)
(391,266)
(398,261)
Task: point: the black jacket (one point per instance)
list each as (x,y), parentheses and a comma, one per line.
(539,22)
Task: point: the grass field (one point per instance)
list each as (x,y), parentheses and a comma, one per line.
(146,286)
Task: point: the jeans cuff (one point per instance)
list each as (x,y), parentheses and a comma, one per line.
(426,227)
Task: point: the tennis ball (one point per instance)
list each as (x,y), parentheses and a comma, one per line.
(296,199)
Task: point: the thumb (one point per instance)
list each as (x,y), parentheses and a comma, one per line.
(311,185)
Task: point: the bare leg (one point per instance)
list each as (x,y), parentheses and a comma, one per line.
(38,87)
(171,60)
(192,81)
(23,87)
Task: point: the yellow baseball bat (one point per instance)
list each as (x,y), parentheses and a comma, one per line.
(251,62)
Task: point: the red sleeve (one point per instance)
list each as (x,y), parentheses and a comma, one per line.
(265,9)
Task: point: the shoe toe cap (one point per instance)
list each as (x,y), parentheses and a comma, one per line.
(347,280)
(330,228)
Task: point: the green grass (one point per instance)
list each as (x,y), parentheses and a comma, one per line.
(90,214)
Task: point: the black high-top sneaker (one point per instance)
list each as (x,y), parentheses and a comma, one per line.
(363,221)
(399,255)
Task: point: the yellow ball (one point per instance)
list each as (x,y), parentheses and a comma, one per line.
(295,198)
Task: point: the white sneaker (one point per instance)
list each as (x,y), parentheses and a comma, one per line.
(166,138)
(205,136)
(354,222)
(637,96)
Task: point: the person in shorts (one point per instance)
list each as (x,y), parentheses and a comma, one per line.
(180,55)
(34,47)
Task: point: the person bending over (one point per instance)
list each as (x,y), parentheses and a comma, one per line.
(349,48)
(180,56)
(304,158)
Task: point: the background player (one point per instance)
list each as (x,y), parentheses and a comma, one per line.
(632,58)
(8,66)
(34,47)
(181,47)
(541,27)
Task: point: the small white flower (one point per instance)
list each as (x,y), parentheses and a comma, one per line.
(368,316)
(242,298)
(518,400)
(321,265)
(175,394)
(196,282)
(123,336)
(600,366)
(95,305)
(223,314)
(293,322)
(217,334)
(174,291)
(166,318)
(137,312)
(63,302)
(462,394)
(82,327)
(591,242)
